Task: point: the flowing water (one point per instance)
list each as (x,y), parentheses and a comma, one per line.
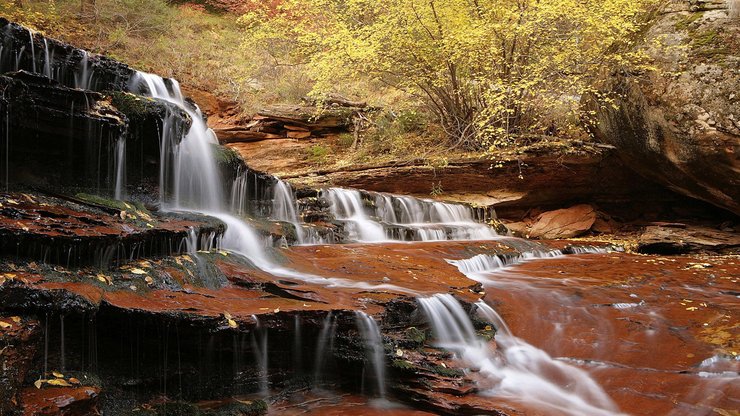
(374,349)
(378,217)
(515,370)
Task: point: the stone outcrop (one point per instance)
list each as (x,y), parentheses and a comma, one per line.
(25,50)
(680,125)
(293,122)
(564,223)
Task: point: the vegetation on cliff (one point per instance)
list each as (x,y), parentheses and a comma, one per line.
(483,74)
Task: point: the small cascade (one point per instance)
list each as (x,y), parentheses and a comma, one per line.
(483,263)
(324,345)
(284,208)
(515,369)
(84,74)
(120,167)
(374,348)
(240,192)
(386,217)
(347,205)
(259,346)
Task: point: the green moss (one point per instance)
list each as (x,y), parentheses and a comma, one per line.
(447,372)
(705,38)
(226,156)
(133,106)
(416,335)
(242,408)
(686,21)
(104,202)
(177,409)
(403,365)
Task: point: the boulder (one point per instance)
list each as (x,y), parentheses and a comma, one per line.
(672,239)
(564,223)
(680,125)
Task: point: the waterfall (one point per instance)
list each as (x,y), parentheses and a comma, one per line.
(260,348)
(195,176)
(83,78)
(389,217)
(483,263)
(240,192)
(48,57)
(514,370)
(284,208)
(347,206)
(325,339)
(120,167)
(33,52)
(374,348)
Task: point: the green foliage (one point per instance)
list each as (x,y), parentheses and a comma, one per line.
(318,153)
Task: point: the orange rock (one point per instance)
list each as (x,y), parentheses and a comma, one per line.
(564,223)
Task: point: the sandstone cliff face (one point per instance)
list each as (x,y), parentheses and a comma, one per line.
(680,125)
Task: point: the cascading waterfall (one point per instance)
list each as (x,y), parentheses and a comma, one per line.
(483,263)
(347,206)
(323,346)
(374,348)
(404,218)
(196,180)
(284,208)
(514,370)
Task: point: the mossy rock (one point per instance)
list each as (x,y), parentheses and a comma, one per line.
(240,408)
(403,365)
(415,335)
(177,409)
(447,372)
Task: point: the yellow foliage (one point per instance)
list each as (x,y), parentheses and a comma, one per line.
(486,68)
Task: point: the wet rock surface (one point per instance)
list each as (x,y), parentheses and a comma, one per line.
(83,231)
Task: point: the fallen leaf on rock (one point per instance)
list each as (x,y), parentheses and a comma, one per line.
(276,310)
(149,280)
(5,325)
(123,215)
(399,353)
(138,271)
(132,287)
(232,323)
(74,381)
(489,328)
(59,383)
(57,374)
(227,315)
(38,383)
(16,319)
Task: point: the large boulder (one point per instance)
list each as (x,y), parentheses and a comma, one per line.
(564,223)
(680,125)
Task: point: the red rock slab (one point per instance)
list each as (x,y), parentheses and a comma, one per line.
(418,266)
(69,401)
(641,324)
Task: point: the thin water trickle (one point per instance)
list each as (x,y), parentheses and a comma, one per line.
(259,346)
(324,339)
(370,333)
(63,363)
(33,52)
(120,167)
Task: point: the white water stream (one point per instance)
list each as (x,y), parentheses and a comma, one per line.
(514,370)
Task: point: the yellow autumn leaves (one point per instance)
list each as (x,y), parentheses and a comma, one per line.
(486,69)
